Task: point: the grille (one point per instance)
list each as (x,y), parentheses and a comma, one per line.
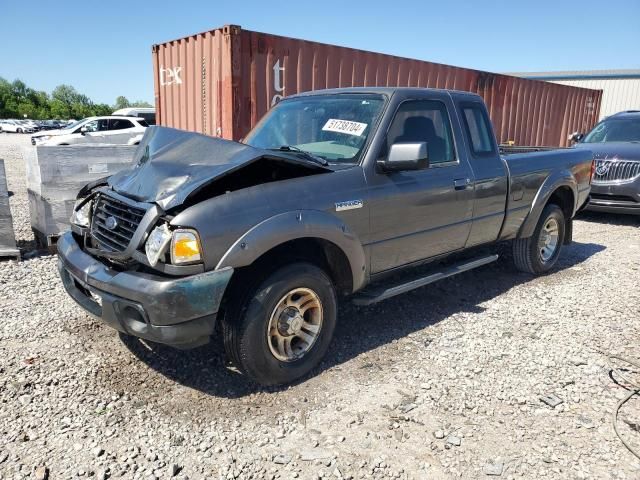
(616,171)
(126,220)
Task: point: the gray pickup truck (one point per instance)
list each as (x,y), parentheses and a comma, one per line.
(333,193)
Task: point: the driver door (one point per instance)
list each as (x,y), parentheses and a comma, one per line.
(421,214)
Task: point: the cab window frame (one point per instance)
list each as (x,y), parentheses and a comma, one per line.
(476,105)
(454,150)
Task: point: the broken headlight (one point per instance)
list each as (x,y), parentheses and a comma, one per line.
(185,247)
(156,244)
(81,213)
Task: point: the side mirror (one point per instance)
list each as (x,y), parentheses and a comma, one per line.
(576,137)
(83,130)
(406,156)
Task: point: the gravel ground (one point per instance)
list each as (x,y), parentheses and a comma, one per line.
(444,382)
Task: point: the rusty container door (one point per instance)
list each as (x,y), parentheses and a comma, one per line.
(193,82)
(223,81)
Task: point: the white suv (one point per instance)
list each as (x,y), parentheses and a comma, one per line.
(112,130)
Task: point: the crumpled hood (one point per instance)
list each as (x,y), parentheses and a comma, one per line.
(169,165)
(613,150)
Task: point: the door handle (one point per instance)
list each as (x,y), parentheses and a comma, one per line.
(461,183)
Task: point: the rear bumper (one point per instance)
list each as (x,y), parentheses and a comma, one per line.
(180,312)
(617,198)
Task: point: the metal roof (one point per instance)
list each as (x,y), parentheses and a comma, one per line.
(579,75)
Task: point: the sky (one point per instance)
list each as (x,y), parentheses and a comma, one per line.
(103,49)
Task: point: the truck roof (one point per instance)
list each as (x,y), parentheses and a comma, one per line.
(381,90)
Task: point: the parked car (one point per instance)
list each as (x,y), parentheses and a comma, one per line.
(32,124)
(615,143)
(149,114)
(110,129)
(14,126)
(49,125)
(25,126)
(335,192)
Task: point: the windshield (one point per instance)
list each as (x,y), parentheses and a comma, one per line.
(333,127)
(615,130)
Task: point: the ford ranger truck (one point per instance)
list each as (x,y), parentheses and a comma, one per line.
(360,192)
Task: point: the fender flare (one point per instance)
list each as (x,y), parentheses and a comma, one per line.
(558,179)
(294,225)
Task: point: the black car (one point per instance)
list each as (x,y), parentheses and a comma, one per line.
(615,143)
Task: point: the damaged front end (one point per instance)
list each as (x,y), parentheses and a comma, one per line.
(126,219)
(110,267)
(125,262)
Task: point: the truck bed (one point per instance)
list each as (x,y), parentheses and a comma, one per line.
(532,174)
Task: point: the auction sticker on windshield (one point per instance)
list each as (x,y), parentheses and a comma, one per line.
(344,126)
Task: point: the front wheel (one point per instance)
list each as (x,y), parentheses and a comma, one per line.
(539,253)
(19,130)
(282,329)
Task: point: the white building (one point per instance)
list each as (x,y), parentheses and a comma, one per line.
(620,88)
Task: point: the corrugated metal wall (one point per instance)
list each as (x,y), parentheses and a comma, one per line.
(193,83)
(221,82)
(618,94)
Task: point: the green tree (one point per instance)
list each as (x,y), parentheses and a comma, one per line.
(59,109)
(141,103)
(121,102)
(17,99)
(100,109)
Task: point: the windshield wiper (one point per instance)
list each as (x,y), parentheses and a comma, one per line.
(305,154)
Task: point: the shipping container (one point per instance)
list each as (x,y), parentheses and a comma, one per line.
(222,81)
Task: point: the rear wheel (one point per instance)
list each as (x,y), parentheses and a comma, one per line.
(19,130)
(282,329)
(539,253)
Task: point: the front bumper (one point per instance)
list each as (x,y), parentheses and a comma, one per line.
(178,311)
(616,198)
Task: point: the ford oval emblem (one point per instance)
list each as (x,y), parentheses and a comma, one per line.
(111,223)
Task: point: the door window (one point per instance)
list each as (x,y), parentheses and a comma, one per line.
(119,124)
(95,126)
(478,129)
(424,121)
(90,126)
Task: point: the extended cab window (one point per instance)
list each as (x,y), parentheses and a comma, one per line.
(119,124)
(424,121)
(478,129)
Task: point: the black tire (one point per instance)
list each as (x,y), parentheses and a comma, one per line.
(527,255)
(19,130)
(245,324)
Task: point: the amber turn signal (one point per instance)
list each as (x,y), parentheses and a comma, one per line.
(185,247)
